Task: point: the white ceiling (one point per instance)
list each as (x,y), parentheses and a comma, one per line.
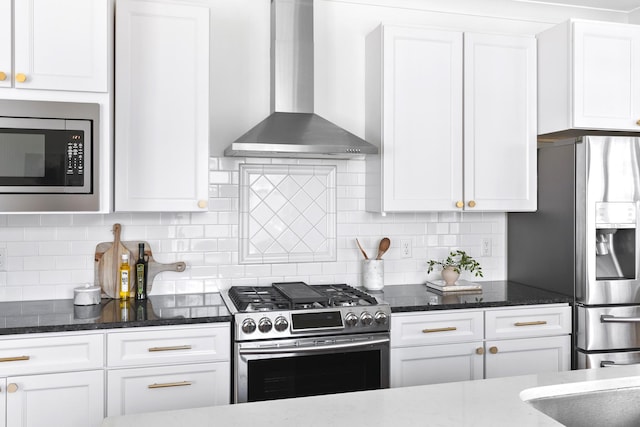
(617,5)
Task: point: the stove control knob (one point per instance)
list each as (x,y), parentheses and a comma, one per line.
(366,319)
(281,324)
(381,318)
(264,325)
(248,326)
(351,319)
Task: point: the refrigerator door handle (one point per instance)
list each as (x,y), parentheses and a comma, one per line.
(607,318)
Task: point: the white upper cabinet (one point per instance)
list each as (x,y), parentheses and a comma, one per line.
(162,107)
(5,43)
(431,159)
(414,85)
(499,122)
(59,45)
(589,77)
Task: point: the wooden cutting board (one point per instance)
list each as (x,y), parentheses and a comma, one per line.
(107,272)
(102,268)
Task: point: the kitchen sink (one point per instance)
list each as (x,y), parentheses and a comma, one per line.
(611,403)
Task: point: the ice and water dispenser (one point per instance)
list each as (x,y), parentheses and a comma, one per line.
(616,249)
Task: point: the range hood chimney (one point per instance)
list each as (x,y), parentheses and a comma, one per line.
(292,129)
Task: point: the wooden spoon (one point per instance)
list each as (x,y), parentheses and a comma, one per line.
(362,250)
(383,247)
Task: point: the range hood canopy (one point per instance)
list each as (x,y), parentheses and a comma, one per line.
(293,130)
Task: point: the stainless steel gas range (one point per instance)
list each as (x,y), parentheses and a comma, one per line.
(291,339)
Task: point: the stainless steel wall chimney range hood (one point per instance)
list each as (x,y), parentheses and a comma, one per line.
(293,130)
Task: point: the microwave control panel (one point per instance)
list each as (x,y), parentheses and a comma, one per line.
(75,160)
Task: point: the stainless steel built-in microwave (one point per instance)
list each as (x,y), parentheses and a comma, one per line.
(48,157)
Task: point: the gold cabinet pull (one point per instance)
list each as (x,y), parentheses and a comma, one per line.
(171,348)
(3,76)
(638,122)
(535,322)
(21,78)
(165,385)
(472,204)
(449,328)
(460,204)
(12,388)
(202,204)
(493,350)
(14,359)
(480,350)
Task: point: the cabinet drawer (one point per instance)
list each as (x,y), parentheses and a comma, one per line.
(152,389)
(161,346)
(51,354)
(527,322)
(436,328)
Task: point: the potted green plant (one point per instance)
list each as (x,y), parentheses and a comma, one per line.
(453,265)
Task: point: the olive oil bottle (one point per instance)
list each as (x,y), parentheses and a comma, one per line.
(125,274)
(141,274)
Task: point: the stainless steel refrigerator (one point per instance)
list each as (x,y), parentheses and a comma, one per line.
(583,241)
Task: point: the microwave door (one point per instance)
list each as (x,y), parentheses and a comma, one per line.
(45,156)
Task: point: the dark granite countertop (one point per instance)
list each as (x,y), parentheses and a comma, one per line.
(407,298)
(61,315)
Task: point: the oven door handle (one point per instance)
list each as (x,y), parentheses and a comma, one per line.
(314,349)
(612,364)
(607,318)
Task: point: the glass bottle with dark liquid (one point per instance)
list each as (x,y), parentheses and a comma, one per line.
(141,269)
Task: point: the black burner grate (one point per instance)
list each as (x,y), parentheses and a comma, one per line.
(268,298)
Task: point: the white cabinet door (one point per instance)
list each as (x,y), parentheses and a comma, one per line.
(499,122)
(606,73)
(5,43)
(436,364)
(135,390)
(527,356)
(420,132)
(71,399)
(61,45)
(3,402)
(414,114)
(162,107)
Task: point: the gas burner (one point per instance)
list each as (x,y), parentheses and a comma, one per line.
(343,303)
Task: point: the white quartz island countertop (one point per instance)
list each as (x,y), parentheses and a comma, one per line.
(493,402)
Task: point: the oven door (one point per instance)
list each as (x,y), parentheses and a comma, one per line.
(279,369)
(45,155)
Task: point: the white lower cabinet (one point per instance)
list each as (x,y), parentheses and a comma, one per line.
(162,368)
(168,387)
(525,356)
(60,379)
(3,402)
(73,399)
(435,364)
(57,379)
(459,345)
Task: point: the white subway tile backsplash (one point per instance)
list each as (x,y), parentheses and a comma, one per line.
(49,255)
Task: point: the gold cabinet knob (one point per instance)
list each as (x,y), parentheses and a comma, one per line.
(459,204)
(202,204)
(472,204)
(21,78)
(638,122)
(3,76)
(493,350)
(12,388)
(480,350)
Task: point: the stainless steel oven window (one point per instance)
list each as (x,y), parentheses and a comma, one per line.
(313,366)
